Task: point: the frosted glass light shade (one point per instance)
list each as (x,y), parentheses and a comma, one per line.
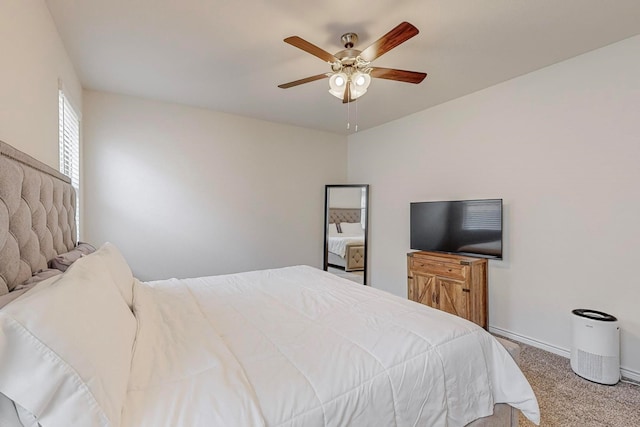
(359,84)
(337,83)
(361,80)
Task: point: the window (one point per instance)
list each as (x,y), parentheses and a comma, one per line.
(69,129)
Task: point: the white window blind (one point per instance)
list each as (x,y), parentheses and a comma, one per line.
(69,128)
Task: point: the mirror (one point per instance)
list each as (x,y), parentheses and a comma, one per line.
(346,217)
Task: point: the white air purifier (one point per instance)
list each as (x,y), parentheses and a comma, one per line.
(595,351)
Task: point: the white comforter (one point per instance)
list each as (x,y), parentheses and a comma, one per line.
(337,244)
(299,347)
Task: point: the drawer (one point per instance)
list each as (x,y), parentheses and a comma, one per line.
(444,269)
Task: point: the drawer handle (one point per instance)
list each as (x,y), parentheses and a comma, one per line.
(466,290)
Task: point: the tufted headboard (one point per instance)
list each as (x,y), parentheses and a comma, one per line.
(339,215)
(37,216)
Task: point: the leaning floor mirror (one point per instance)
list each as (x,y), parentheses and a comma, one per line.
(346,220)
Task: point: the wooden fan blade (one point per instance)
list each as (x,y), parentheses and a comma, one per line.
(302,81)
(393,38)
(399,75)
(310,48)
(347,93)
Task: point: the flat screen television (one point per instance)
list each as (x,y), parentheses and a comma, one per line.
(465,227)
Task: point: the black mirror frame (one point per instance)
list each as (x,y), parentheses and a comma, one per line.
(366,227)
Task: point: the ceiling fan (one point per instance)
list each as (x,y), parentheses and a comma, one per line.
(351,69)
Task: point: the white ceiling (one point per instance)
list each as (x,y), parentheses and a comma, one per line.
(229,55)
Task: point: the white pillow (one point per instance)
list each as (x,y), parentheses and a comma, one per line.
(108,255)
(66,347)
(351,228)
(8,413)
(13,415)
(27,419)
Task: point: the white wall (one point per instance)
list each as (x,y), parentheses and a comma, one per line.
(33,60)
(561,146)
(187,192)
(345,197)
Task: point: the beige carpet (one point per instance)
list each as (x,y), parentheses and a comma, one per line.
(566,400)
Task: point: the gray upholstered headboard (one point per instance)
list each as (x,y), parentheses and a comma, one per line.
(338,215)
(37,216)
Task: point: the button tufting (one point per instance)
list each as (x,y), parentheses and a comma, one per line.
(36,220)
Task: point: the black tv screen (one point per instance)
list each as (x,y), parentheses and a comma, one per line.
(466,227)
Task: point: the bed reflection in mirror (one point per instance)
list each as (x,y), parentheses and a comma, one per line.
(346,231)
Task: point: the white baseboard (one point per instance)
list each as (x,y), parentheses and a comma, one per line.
(626,373)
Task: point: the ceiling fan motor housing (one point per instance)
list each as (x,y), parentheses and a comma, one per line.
(349,40)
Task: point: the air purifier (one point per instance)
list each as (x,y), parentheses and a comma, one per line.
(595,349)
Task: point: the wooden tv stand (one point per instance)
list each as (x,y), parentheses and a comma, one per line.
(453,283)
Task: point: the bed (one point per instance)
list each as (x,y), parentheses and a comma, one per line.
(345,240)
(293,346)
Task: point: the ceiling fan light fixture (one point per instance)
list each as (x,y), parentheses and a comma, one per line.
(361,80)
(357,92)
(337,84)
(359,84)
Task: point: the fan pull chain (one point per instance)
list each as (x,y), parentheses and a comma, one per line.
(356,115)
(349,115)
(348,107)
